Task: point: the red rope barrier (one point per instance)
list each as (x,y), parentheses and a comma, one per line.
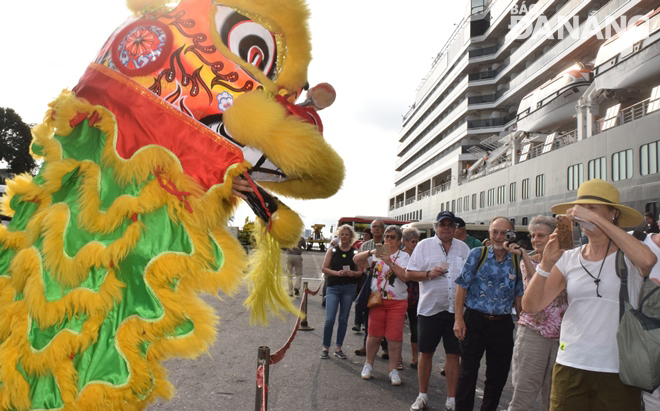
(313,293)
(278,355)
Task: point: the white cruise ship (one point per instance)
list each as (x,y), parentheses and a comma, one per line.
(523,104)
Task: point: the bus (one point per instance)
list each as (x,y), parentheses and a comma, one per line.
(359,223)
(478,231)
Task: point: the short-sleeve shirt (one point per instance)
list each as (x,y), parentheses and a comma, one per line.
(338,260)
(437,294)
(493,289)
(546,322)
(394,289)
(588,330)
(472,242)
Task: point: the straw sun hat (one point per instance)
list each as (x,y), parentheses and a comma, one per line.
(597,191)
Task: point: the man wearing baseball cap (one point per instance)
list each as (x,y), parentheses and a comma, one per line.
(461,234)
(435,263)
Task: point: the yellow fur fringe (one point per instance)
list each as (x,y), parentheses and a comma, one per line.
(193,272)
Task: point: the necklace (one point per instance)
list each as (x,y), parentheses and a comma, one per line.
(596,279)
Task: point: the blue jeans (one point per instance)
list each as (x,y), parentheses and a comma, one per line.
(337,297)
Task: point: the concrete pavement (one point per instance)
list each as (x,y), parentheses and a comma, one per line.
(225,378)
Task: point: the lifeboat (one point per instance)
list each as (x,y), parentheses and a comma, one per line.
(552,105)
(632,57)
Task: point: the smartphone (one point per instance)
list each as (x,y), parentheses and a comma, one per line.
(564,232)
(379,250)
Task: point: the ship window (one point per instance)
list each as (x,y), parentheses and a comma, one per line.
(466,203)
(491,197)
(540,185)
(501,194)
(447,206)
(597,168)
(575,177)
(442,207)
(474,201)
(459,206)
(622,165)
(524,221)
(453,205)
(512,192)
(649,158)
(525,189)
(482,199)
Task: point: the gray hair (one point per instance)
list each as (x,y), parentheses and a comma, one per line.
(341,228)
(396,229)
(410,233)
(545,220)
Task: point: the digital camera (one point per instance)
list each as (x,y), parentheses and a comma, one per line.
(511,236)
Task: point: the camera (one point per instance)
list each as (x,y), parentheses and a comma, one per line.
(511,236)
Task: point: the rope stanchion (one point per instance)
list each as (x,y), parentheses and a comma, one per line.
(265,359)
(304,326)
(263,370)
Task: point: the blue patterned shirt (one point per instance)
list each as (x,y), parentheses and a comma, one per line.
(493,289)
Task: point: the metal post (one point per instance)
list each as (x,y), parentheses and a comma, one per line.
(303,323)
(263,367)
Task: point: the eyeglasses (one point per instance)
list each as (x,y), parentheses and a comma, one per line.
(377,227)
(497,232)
(390,237)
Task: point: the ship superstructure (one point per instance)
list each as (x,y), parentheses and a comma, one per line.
(525,102)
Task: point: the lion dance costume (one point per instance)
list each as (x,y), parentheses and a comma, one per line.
(124,225)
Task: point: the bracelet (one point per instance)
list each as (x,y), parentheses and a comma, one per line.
(427,275)
(542,273)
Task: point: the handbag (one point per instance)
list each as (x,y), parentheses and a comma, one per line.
(375,299)
(638,336)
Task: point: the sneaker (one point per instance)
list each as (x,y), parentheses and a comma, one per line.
(340,354)
(400,366)
(450,405)
(394,377)
(366,371)
(324,354)
(361,352)
(413,365)
(419,404)
(356,328)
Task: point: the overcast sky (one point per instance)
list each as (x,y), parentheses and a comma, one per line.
(374,53)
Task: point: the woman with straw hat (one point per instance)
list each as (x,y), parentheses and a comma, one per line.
(585,375)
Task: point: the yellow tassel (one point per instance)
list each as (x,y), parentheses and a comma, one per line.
(266,280)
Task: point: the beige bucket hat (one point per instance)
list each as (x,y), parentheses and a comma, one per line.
(597,191)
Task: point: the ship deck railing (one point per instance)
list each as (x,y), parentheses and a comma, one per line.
(627,115)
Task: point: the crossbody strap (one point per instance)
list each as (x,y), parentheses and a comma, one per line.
(622,272)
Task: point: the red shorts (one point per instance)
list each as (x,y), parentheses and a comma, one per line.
(387,319)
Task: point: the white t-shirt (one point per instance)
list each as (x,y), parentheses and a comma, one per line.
(398,291)
(437,294)
(589,326)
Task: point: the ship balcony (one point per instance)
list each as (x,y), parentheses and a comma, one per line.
(441,188)
(410,200)
(423,195)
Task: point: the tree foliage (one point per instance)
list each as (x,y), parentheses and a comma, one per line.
(15,140)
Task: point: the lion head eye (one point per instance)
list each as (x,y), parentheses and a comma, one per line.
(247,39)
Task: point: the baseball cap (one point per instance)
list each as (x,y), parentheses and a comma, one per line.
(446,214)
(460,222)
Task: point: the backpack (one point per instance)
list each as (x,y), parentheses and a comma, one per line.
(638,336)
(515,259)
